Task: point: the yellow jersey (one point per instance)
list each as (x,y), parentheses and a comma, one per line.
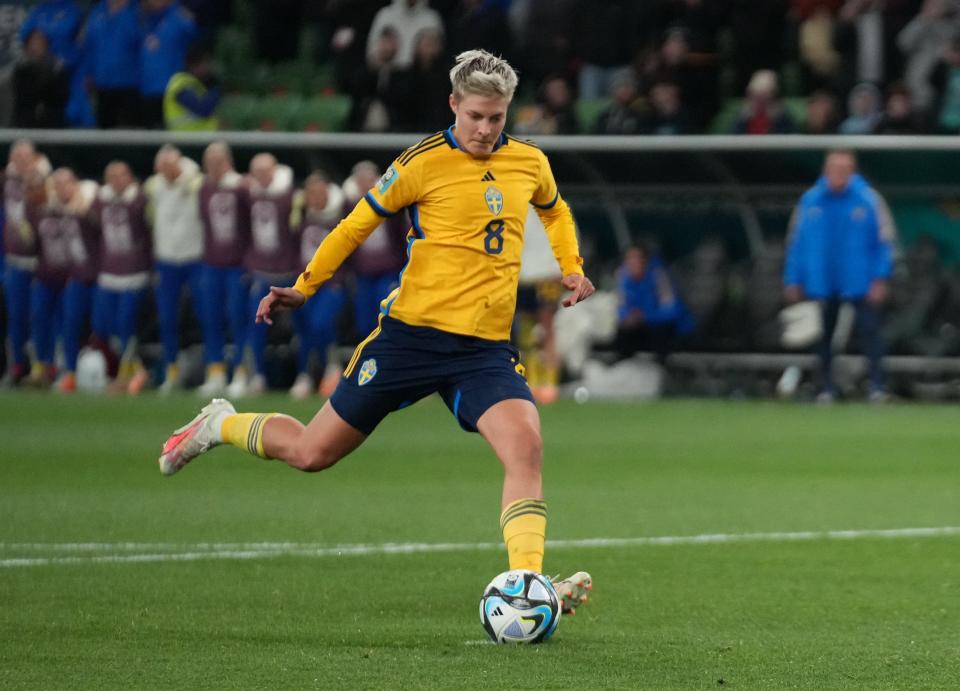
(464,246)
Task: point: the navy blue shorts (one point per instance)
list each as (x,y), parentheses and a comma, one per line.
(402,364)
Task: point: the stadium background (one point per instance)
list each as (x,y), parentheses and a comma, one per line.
(799,547)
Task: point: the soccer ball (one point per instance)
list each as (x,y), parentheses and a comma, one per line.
(520,607)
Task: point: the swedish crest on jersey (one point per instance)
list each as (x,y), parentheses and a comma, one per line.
(368,370)
(494,199)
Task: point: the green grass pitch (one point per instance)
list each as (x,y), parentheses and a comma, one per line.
(81,502)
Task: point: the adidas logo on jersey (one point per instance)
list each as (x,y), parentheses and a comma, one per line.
(488,177)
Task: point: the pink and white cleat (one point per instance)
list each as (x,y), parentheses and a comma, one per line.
(573,591)
(200,434)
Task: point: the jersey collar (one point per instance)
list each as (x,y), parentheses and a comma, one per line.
(452,141)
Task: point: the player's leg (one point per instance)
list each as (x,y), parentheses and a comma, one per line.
(257,338)
(512,428)
(829,312)
(170,280)
(42,309)
(212,298)
(867,323)
(17,295)
(76,309)
(238,294)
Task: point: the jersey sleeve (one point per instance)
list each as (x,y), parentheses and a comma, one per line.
(557,221)
(337,246)
(397,188)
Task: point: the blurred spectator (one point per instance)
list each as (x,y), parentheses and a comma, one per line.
(426,86)
(192,96)
(479,24)
(538,297)
(607,39)
(168,32)
(553,113)
(701,19)
(41,86)
(377,262)
(23,187)
(61,20)
(757,32)
(673,62)
(124,267)
(865,110)
(174,212)
(866,36)
(898,115)
(546,39)
(209,16)
(923,42)
(407,18)
(317,211)
(818,56)
(763,113)
(276,29)
(840,249)
(822,116)
(111,47)
(665,114)
(271,259)
(651,314)
(377,88)
(947,79)
(349,22)
(62,291)
(624,115)
(225,216)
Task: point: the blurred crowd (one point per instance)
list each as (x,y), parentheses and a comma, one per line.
(96,263)
(612,67)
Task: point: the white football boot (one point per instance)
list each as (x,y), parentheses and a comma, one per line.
(238,385)
(214,384)
(573,591)
(201,434)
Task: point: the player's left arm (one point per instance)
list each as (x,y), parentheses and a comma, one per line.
(562,233)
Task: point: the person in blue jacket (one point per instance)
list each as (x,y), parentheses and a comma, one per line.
(168,32)
(111,58)
(60,21)
(840,249)
(651,315)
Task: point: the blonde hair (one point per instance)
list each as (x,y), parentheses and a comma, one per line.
(483,74)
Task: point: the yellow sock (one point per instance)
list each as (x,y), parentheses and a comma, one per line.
(245,431)
(216,369)
(524,526)
(173,373)
(551,375)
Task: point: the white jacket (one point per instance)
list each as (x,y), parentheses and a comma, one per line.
(407,22)
(175,211)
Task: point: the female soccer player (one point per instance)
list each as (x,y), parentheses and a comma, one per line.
(446,328)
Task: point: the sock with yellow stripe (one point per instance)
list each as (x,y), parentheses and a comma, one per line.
(245,431)
(524,526)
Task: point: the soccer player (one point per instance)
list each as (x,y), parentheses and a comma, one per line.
(446,328)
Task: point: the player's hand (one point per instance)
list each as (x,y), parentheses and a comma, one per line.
(277,300)
(877,295)
(580,287)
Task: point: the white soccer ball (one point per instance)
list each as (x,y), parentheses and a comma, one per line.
(92,371)
(520,607)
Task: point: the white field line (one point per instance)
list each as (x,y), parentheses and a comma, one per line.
(143,552)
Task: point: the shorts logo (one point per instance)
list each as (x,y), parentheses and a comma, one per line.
(368,370)
(494,199)
(387,179)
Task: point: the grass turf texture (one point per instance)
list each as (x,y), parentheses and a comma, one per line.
(869,613)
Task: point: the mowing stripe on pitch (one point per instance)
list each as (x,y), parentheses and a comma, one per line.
(146,552)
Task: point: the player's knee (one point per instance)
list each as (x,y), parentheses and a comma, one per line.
(315,459)
(528,450)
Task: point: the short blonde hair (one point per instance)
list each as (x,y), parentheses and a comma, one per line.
(483,74)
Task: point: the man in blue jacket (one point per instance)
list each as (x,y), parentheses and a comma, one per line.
(168,32)
(111,53)
(840,249)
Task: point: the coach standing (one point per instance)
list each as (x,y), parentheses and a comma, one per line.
(840,249)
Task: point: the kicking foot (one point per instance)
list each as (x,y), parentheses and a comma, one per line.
(573,591)
(200,434)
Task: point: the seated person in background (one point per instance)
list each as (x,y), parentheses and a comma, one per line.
(41,86)
(666,114)
(554,112)
(822,115)
(651,314)
(899,116)
(624,114)
(865,105)
(762,112)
